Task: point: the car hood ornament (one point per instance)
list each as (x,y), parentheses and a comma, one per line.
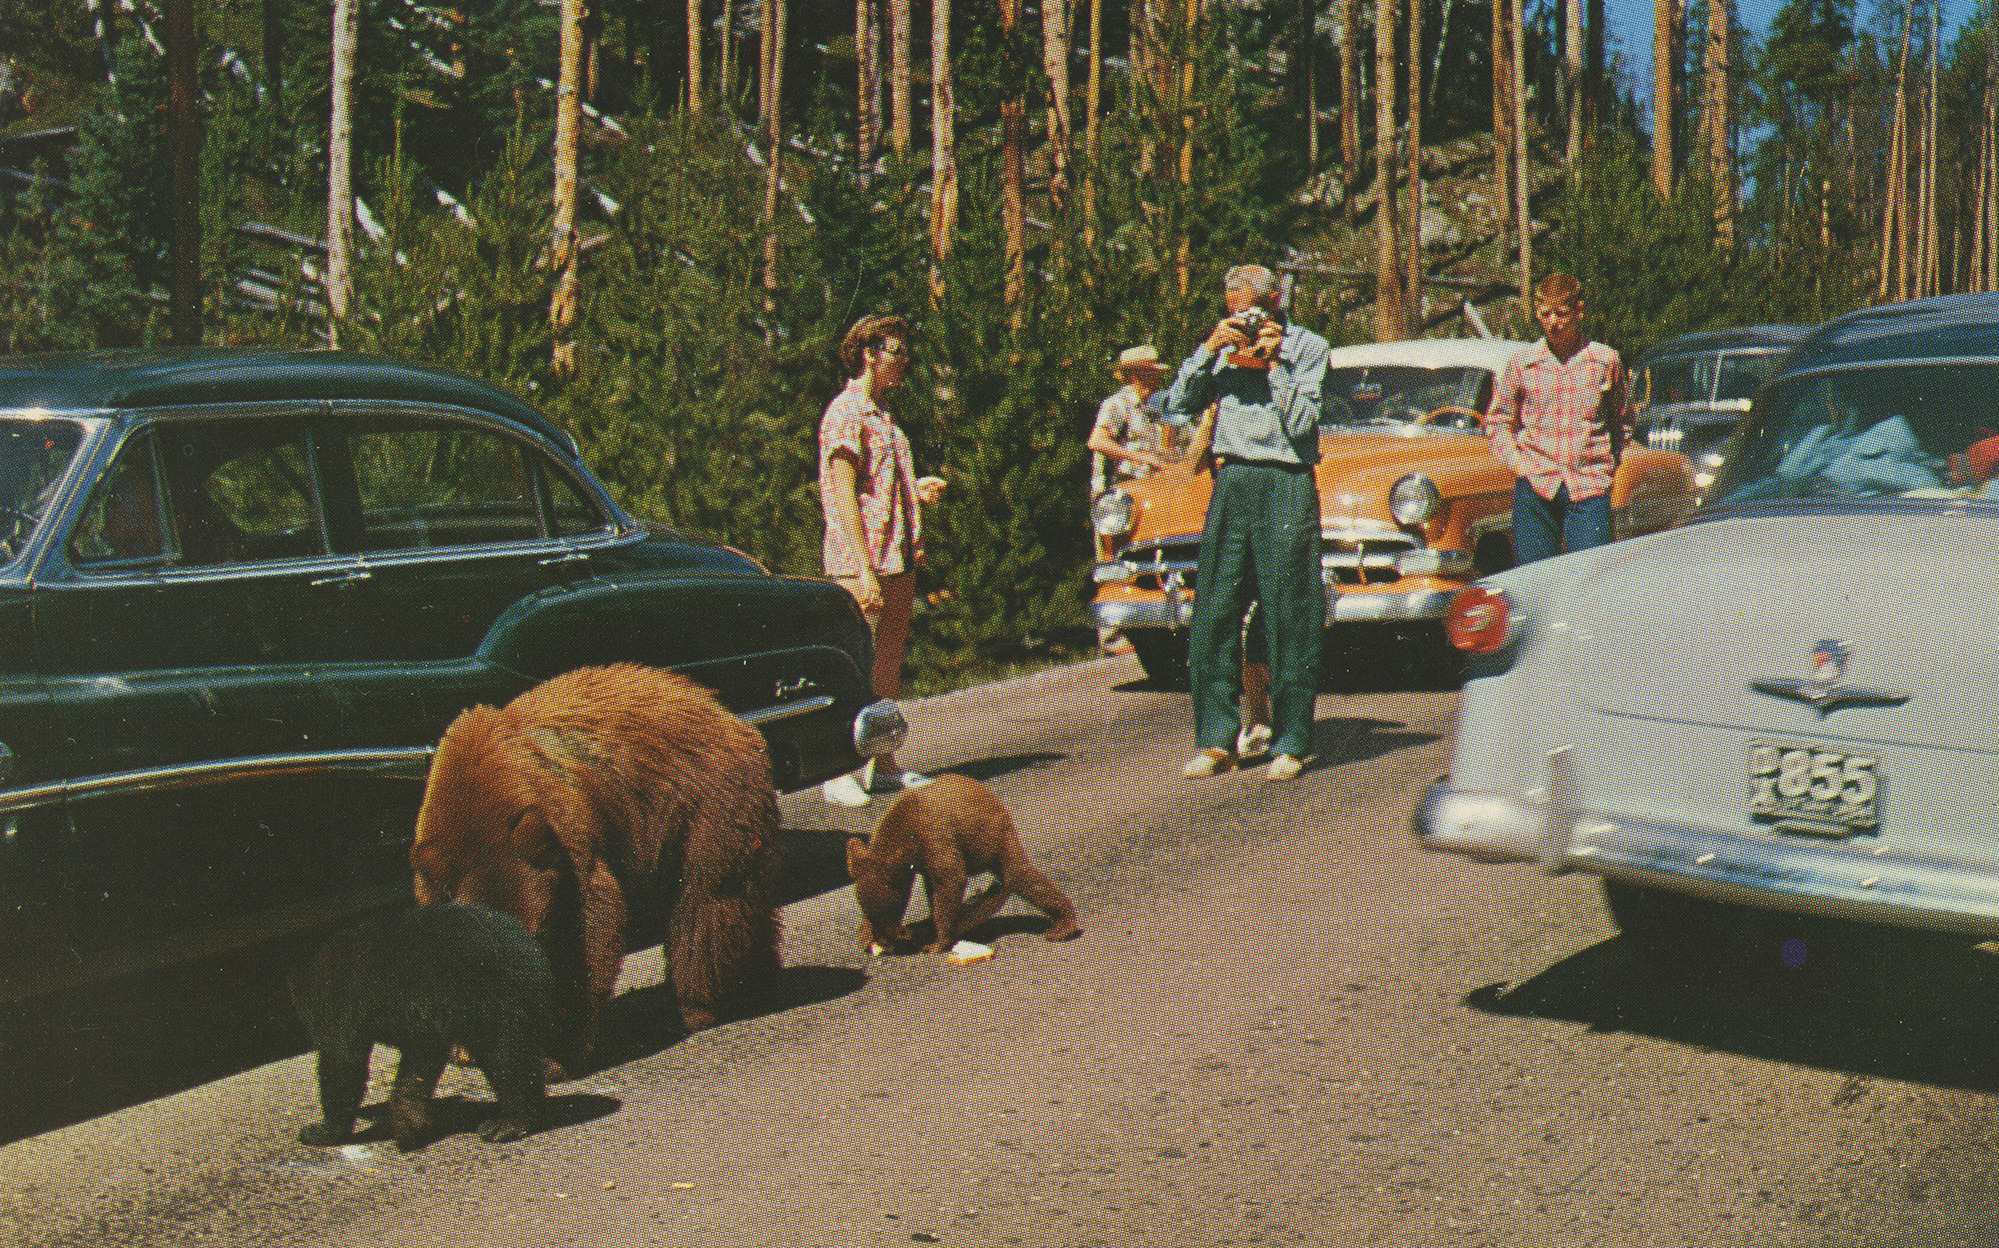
(1827,690)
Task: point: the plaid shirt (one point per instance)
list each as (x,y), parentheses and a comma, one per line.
(1560,424)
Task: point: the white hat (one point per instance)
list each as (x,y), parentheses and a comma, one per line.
(1138,357)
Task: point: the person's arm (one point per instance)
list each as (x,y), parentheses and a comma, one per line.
(1502,419)
(1197,458)
(1103,443)
(845,500)
(1615,415)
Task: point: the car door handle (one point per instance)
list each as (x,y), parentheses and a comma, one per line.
(345,578)
(574,556)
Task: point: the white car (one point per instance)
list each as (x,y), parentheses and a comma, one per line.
(1792,700)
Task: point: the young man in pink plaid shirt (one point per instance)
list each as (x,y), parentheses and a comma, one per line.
(1557,421)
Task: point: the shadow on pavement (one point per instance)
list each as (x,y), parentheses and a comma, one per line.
(1869,1002)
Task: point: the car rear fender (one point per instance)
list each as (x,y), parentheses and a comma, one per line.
(764,644)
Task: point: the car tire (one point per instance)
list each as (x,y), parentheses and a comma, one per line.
(1657,921)
(1162,652)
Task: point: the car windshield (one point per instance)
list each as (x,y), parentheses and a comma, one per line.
(33,456)
(1907,430)
(1397,394)
(1712,377)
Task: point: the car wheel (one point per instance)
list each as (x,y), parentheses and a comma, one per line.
(1659,921)
(1162,652)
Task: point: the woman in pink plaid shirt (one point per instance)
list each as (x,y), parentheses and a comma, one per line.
(1557,421)
(872,500)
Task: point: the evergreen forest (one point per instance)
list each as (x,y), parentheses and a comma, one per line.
(655,220)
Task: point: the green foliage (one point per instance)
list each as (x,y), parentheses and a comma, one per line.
(1651,271)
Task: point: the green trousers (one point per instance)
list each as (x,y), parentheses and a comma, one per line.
(1261,541)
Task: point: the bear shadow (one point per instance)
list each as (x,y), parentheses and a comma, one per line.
(990,932)
(645,1021)
(453,1114)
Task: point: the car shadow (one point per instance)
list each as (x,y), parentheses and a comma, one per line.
(1867,1002)
(1365,658)
(646,1021)
(1338,739)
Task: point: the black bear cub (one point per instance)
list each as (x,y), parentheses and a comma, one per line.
(421,980)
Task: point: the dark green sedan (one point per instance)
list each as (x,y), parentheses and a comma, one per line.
(243,593)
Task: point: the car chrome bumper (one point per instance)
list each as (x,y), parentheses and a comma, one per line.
(1428,604)
(1844,879)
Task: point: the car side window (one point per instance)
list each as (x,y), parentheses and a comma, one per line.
(122,523)
(240,491)
(431,483)
(574,514)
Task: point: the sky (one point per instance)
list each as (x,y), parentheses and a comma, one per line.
(1630,24)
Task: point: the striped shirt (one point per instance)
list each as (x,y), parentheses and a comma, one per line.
(1560,424)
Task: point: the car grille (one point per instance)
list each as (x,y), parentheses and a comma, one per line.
(1347,558)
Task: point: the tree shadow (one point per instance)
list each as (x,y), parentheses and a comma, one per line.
(1405,657)
(1866,1001)
(1339,739)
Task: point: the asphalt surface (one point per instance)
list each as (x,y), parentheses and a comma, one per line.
(1283,1024)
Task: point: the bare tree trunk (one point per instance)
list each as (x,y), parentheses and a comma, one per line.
(1721,164)
(766,28)
(774,15)
(694,56)
(1013,126)
(1184,102)
(1350,90)
(1502,116)
(339,170)
(1596,96)
(901,115)
(1093,102)
(1572,81)
(1055,61)
(1412,299)
(1308,49)
(563,252)
(184,241)
(1523,178)
(1665,81)
(1932,253)
(1891,210)
(867,93)
(1388,310)
(943,157)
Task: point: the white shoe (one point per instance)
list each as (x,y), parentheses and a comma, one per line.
(844,791)
(1207,763)
(1286,767)
(1252,741)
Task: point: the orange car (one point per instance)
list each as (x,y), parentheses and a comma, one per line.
(1414,506)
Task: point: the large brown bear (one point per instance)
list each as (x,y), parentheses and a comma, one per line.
(948,831)
(598,797)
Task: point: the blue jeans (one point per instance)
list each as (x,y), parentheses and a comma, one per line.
(1545,527)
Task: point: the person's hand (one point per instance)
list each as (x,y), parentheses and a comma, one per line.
(1228,332)
(1269,337)
(929,489)
(869,592)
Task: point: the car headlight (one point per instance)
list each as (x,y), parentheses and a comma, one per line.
(1114,513)
(1414,499)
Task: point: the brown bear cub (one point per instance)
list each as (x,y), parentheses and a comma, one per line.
(592,808)
(947,831)
(420,981)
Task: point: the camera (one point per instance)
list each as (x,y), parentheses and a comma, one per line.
(1251,321)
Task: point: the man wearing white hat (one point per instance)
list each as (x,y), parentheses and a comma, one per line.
(1126,440)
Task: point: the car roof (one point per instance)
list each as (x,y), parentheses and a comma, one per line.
(1741,338)
(1486,353)
(160,377)
(1955,326)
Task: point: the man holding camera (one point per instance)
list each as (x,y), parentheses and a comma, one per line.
(1263,376)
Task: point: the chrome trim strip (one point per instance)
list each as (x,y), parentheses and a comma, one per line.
(412,759)
(1158,613)
(1358,608)
(787,710)
(1845,879)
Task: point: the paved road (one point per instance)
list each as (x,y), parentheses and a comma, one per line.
(1283,1025)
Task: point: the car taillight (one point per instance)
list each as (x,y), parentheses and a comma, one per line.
(1481,620)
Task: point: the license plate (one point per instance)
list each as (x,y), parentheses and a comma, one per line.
(1790,780)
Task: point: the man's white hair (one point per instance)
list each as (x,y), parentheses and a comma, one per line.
(1253,278)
